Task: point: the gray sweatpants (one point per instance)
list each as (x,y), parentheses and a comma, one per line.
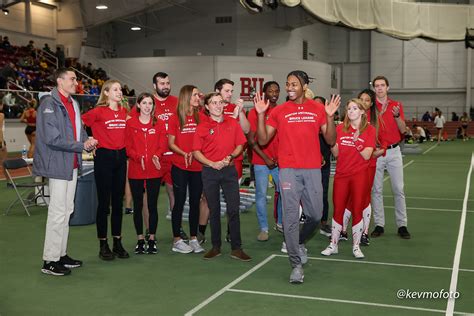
(300,185)
(394,164)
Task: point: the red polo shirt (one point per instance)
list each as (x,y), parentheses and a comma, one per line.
(67,102)
(349,160)
(218,140)
(270,149)
(388,128)
(298,128)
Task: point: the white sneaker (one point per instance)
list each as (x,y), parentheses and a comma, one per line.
(283,247)
(181,247)
(357,253)
(194,243)
(330,250)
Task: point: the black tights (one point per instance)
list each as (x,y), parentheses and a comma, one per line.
(137,187)
(182,180)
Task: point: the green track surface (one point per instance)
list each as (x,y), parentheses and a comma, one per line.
(173,284)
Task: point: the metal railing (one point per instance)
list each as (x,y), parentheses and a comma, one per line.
(50,58)
(86,101)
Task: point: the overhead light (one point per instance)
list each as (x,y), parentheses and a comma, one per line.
(5,11)
(135,28)
(101,7)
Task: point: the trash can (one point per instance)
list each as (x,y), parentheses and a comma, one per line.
(85,203)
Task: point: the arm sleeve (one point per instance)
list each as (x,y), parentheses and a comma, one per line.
(129,147)
(197,140)
(89,117)
(240,138)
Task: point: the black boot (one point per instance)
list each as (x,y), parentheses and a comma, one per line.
(105,253)
(118,249)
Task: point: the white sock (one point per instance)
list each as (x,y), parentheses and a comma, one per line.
(345,220)
(366,214)
(335,232)
(357,233)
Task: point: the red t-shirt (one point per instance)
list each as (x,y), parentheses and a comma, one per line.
(270,149)
(349,160)
(144,140)
(164,110)
(184,139)
(218,140)
(388,128)
(229,109)
(67,102)
(108,126)
(298,128)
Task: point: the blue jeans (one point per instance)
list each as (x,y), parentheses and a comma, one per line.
(261,187)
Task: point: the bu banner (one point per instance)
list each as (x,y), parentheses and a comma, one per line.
(246,85)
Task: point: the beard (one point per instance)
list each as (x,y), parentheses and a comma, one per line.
(163,93)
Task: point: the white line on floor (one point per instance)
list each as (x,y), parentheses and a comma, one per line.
(404,166)
(457,254)
(380,263)
(430,209)
(430,149)
(228,286)
(427,198)
(325,299)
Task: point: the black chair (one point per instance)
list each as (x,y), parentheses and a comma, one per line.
(23,188)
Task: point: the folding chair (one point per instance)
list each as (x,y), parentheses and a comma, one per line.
(21,188)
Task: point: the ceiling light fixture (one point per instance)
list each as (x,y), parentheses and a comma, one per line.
(101,7)
(135,28)
(5,11)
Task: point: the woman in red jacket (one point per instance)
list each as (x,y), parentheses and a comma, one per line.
(107,121)
(145,143)
(186,171)
(355,142)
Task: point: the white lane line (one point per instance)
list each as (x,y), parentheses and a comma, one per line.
(325,299)
(457,254)
(430,149)
(427,198)
(404,166)
(430,209)
(228,286)
(381,263)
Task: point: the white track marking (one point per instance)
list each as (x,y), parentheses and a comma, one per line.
(457,254)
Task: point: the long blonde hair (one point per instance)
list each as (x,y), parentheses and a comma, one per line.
(184,100)
(104,99)
(363,119)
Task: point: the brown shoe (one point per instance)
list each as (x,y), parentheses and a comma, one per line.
(239,254)
(214,252)
(263,236)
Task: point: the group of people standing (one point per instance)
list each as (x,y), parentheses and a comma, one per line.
(194,143)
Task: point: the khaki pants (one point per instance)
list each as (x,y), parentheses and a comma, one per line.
(61,206)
